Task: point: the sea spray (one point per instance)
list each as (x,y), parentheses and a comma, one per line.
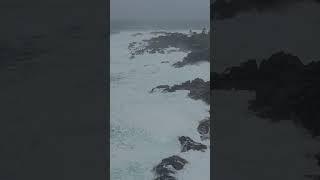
(145,126)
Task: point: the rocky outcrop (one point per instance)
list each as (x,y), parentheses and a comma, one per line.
(168,167)
(197,45)
(164,87)
(188,144)
(198,89)
(165,177)
(204,129)
(193,57)
(243,77)
(285,88)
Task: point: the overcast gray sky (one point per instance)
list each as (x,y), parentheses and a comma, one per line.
(160,9)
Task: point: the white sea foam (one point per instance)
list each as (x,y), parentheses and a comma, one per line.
(145,126)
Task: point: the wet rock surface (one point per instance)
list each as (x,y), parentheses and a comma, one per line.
(165,177)
(168,167)
(164,87)
(204,129)
(243,77)
(193,57)
(197,44)
(188,144)
(285,89)
(199,89)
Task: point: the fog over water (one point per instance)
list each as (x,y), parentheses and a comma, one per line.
(155,10)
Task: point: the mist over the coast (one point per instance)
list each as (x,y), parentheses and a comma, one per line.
(155,10)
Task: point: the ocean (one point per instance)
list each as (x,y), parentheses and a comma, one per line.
(125,25)
(145,126)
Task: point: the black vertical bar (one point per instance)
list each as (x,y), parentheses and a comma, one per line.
(212,134)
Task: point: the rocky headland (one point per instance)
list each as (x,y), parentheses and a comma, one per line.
(198,89)
(196,44)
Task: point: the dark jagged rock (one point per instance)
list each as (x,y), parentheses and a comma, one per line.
(163,169)
(280,93)
(160,87)
(243,77)
(193,58)
(204,129)
(285,89)
(280,62)
(198,89)
(175,161)
(169,166)
(197,44)
(165,177)
(188,144)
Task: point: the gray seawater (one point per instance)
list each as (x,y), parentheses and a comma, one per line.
(122,25)
(144,126)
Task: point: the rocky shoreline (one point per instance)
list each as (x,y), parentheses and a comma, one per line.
(197,46)
(285,89)
(198,89)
